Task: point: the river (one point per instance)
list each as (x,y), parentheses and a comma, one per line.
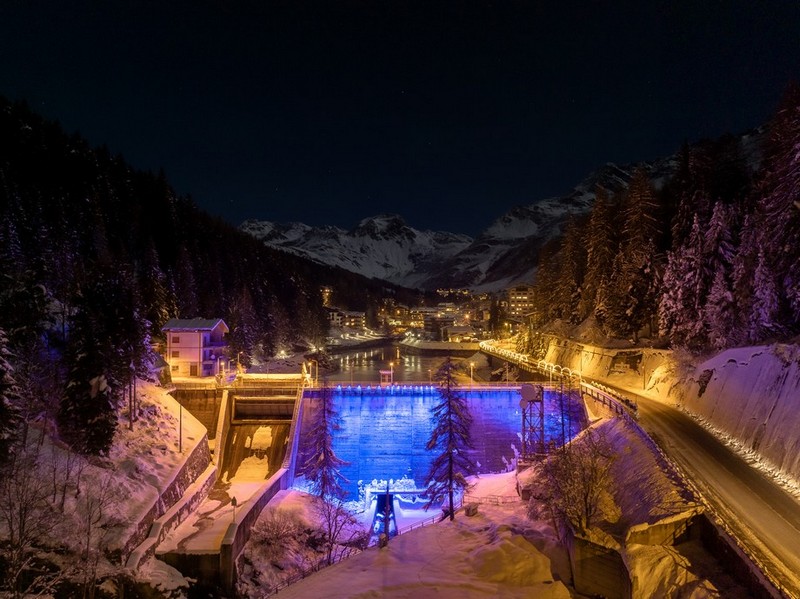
(362,366)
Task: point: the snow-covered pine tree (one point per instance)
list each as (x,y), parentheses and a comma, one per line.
(682,293)
(572,271)
(87,414)
(719,313)
(764,310)
(451,439)
(743,267)
(780,207)
(718,250)
(322,467)
(244,330)
(184,286)
(544,305)
(600,250)
(158,303)
(9,402)
(632,293)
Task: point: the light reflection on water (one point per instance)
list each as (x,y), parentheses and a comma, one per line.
(365,365)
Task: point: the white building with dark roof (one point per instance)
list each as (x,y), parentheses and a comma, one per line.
(196,346)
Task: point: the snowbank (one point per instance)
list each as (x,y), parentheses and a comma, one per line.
(470,557)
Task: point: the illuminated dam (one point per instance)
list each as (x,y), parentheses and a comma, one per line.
(383,430)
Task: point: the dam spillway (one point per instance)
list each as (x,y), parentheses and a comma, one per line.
(383,430)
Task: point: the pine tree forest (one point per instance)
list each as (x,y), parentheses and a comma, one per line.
(96,256)
(706,260)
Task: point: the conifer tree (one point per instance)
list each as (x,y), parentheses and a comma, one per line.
(744,266)
(9,402)
(322,467)
(600,250)
(635,277)
(719,313)
(88,412)
(780,206)
(682,293)
(572,271)
(763,321)
(243,323)
(451,439)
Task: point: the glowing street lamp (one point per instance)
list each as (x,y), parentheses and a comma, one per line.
(471,368)
(391,373)
(315,376)
(430,376)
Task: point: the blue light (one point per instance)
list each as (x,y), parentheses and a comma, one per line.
(383,431)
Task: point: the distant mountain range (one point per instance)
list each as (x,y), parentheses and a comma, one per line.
(505,253)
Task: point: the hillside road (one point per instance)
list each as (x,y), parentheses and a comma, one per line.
(761,514)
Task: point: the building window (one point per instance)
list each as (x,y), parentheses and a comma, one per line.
(176,339)
(176,354)
(175,368)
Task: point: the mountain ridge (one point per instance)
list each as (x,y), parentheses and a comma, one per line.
(505,253)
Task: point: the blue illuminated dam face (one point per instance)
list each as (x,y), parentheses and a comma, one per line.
(384,430)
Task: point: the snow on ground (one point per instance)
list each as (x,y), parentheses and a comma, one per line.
(499,552)
(141,463)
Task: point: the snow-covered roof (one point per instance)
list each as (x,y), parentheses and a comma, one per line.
(194,324)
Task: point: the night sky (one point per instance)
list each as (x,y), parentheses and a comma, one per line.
(446,113)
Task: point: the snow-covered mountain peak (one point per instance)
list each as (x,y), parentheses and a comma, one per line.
(384,226)
(505,253)
(382,246)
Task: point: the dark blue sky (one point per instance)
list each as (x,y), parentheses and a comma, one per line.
(446,113)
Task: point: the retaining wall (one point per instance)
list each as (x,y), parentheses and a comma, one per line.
(195,465)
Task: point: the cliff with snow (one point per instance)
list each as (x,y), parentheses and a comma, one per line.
(752,396)
(749,396)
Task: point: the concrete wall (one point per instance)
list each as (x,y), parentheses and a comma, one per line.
(195,465)
(238,533)
(191,499)
(223,426)
(670,531)
(753,395)
(598,568)
(724,549)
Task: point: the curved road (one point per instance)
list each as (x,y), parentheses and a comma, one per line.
(762,515)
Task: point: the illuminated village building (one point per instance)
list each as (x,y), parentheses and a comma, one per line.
(196,346)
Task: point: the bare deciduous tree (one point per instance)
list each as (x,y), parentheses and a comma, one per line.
(340,528)
(27,521)
(573,482)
